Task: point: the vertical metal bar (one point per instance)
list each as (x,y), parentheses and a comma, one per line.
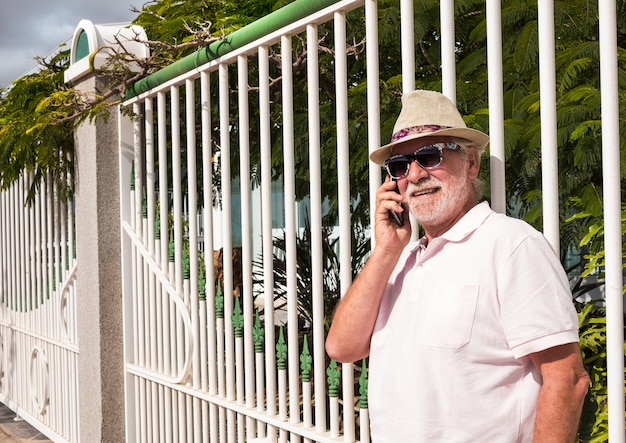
(317,279)
(32,264)
(62,242)
(163,254)
(334,416)
(266,223)
(408,45)
(10,249)
(22,224)
(448,52)
(307,415)
(13,247)
(192,220)
(39,242)
(549,155)
(373,100)
(207,180)
(227,237)
(290,229)
(154,309)
(150,195)
(56,226)
(247,382)
(138,276)
(496,106)
(343,197)
(207,341)
(22,248)
(157,247)
(221,380)
(282,401)
(260,389)
(20,256)
(612,218)
(227,226)
(178,215)
(177,195)
(49,247)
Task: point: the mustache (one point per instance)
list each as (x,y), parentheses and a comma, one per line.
(422,184)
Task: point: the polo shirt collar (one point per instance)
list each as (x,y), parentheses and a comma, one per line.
(462,229)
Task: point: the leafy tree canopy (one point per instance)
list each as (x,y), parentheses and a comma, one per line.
(28,143)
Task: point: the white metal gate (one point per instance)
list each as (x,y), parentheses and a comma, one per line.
(38,339)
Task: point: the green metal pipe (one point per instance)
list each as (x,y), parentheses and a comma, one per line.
(254,31)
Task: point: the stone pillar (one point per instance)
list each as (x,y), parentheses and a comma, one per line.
(99,292)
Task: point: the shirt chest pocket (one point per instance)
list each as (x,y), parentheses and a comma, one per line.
(449,316)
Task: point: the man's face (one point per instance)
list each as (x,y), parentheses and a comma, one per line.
(439,197)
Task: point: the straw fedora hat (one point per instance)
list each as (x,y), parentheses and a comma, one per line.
(430,115)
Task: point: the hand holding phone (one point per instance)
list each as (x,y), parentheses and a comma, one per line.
(398,217)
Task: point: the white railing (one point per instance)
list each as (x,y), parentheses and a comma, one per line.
(219,368)
(239,384)
(38,335)
(202,365)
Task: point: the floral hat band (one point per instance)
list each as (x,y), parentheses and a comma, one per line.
(419,129)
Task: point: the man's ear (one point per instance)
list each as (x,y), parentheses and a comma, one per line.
(473,159)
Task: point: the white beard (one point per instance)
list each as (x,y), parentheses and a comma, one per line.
(444,204)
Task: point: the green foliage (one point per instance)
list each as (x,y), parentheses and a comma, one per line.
(171,21)
(593,423)
(29,144)
(592,314)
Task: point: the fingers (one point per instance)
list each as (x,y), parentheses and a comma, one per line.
(391,233)
(388,198)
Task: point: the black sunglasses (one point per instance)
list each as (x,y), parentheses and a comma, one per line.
(428,157)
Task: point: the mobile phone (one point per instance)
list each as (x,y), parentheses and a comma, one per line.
(398,217)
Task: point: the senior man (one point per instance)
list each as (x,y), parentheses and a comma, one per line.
(471,332)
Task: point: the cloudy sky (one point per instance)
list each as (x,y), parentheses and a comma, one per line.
(30,28)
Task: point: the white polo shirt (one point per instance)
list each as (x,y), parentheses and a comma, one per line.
(449,353)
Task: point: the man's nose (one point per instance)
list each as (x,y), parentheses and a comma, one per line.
(416,172)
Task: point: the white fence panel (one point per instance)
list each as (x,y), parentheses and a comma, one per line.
(234,367)
(213,354)
(38,335)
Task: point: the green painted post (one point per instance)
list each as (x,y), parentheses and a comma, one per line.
(281,351)
(219,301)
(363,386)
(237,319)
(334,377)
(132,176)
(186,264)
(157,225)
(171,255)
(258,334)
(201,285)
(144,204)
(306,361)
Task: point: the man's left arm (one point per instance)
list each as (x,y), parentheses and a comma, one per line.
(565,384)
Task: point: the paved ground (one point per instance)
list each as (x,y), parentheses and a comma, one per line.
(12,430)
